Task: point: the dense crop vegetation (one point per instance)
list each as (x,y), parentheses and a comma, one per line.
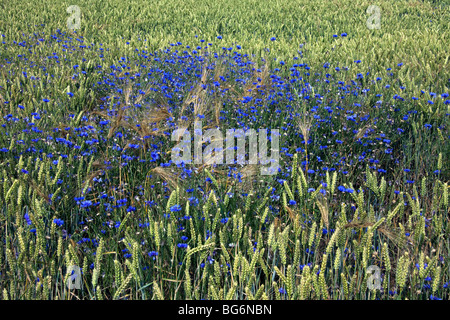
(87,177)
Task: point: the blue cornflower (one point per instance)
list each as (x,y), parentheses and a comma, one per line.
(153,254)
(86,203)
(58,222)
(27,218)
(175,208)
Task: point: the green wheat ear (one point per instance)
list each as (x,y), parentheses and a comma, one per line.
(382,188)
(270,237)
(439,165)
(303,178)
(20,164)
(305,286)
(248,202)
(378,223)
(312,234)
(436,279)
(402,271)
(187,284)
(214,198)
(264,216)
(125,283)
(423,187)
(333,240)
(157,234)
(284,200)
(118,273)
(344,286)
(337,261)
(282,244)
(226,199)
(263,203)
(98,291)
(172,200)
(315,281)
(288,190)
(392,213)
(422,270)
(11,190)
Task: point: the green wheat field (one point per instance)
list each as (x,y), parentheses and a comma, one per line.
(93,207)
